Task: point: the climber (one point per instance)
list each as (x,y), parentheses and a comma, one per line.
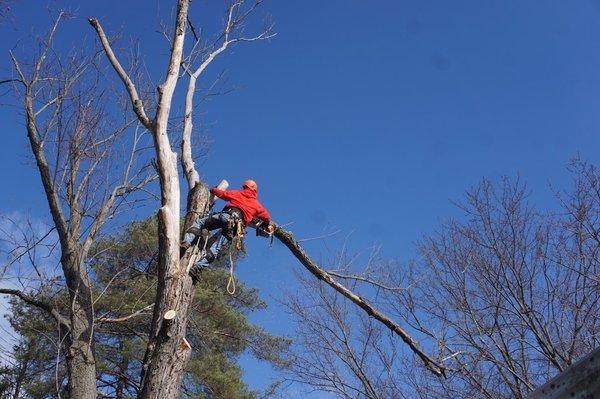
(241,208)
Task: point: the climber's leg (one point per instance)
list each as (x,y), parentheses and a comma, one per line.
(216,221)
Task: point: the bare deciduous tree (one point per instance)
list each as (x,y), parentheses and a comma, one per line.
(77,147)
(508,296)
(512,294)
(339,349)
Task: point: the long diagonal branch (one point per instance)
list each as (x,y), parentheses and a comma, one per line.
(138,106)
(288,240)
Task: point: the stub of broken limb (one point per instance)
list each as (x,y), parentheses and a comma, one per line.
(288,240)
(168,318)
(169,315)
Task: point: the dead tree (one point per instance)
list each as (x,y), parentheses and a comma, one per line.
(168,351)
(74,144)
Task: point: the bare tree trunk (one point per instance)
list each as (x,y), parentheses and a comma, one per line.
(72,151)
(167,355)
(121,375)
(80,351)
(167,352)
(80,355)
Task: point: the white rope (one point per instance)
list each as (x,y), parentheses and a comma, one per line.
(231,281)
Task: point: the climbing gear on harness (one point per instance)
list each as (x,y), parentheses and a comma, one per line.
(251,184)
(238,231)
(235,227)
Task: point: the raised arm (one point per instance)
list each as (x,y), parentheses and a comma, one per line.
(224,195)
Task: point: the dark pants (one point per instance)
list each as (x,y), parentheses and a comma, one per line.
(217,221)
(223,220)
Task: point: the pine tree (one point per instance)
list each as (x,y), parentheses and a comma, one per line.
(122,273)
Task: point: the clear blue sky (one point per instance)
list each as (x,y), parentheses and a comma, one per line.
(362,106)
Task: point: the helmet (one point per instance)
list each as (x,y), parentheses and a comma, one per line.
(251,184)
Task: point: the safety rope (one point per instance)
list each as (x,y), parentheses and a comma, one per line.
(237,243)
(231,281)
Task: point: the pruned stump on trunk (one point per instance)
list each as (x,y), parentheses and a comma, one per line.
(169,315)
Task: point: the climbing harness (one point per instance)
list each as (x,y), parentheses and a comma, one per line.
(234,232)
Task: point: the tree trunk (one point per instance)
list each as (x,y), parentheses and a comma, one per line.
(168,353)
(21,375)
(122,374)
(81,362)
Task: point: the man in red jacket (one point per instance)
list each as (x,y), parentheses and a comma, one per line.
(241,206)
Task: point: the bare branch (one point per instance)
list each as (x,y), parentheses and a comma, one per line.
(144,311)
(232,22)
(367,280)
(288,240)
(37,303)
(11,81)
(196,36)
(43,167)
(138,106)
(47,46)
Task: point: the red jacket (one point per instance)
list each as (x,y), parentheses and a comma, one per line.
(245,200)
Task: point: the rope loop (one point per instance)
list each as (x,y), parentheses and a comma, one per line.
(231,282)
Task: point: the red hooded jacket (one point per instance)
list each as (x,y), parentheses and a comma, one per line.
(245,200)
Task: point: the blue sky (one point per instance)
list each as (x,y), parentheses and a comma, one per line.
(368,116)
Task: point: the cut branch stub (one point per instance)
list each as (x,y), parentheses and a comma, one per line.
(170,315)
(288,240)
